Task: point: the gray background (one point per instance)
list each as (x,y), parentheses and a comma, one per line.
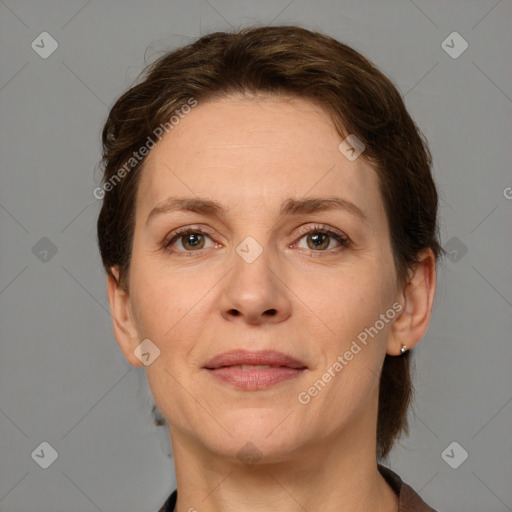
(63,378)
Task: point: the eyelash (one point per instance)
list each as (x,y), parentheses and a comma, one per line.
(341,238)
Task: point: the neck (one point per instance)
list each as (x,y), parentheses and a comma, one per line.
(339,474)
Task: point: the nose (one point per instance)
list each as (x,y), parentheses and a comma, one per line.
(254,293)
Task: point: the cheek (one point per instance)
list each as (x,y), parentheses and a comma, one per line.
(355,346)
(356,343)
(163,313)
(160,298)
(355,300)
(172,310)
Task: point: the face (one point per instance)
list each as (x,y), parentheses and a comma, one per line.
(270,270)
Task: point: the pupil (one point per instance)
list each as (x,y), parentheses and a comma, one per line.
(318,239)
(190,241)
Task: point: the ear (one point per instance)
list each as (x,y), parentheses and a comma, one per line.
(417,299)
(125,329)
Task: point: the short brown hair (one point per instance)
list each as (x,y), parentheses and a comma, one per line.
(289,61)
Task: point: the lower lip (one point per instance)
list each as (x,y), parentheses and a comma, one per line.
(255,379)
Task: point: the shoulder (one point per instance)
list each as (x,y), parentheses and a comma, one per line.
(408,499)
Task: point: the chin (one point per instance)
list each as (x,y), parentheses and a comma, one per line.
(249,451)
(255,436)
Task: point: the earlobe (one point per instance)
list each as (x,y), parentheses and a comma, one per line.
(417,299)
(125,330)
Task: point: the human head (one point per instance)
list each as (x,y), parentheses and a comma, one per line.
(282,62)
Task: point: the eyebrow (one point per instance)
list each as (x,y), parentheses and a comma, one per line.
(291,206)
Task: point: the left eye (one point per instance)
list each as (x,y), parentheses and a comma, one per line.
(319,239)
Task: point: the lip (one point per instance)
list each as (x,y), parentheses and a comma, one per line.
(248,357)
(227,368)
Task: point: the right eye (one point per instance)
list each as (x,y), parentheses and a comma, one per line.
(191,240)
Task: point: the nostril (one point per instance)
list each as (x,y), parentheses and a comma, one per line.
(271,312)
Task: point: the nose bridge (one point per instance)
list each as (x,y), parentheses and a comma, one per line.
(252,273)
(253,289)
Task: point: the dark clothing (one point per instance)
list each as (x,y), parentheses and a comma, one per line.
(408,499)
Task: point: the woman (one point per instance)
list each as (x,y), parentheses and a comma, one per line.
(269,233)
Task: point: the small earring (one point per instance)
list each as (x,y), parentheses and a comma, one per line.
(403,349)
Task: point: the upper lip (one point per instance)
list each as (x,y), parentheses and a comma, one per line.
(247,357)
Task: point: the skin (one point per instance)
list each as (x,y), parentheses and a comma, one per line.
(250,154)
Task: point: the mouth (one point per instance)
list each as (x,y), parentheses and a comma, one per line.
(248,359)
(248,367)
(249,370)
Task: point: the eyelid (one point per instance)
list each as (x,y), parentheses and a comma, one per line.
(305,229)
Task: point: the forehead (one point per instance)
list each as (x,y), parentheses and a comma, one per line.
(260,150)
